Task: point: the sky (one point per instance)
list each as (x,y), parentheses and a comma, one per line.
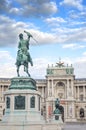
(59,27)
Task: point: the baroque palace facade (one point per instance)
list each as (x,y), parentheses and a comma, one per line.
(59,83)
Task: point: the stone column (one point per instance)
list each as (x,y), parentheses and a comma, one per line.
(48,87)
(42,92)
(73,110)
(66,111)
(2,90)
(47,104)
(26,102)
(65,91)
(67,88)
(52,89)
(36,102)
(0,93)
(78,91)
(84,93)
(72,89)
(12,103)
(75,92)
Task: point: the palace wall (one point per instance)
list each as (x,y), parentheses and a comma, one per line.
(59,83)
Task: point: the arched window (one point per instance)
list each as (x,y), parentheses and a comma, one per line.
(81,112)
(60,90)
(32,102)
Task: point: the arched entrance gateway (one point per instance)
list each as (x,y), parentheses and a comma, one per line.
(60,84)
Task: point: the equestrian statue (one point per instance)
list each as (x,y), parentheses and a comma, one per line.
(23,55)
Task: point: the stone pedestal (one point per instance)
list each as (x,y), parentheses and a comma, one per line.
(23,102)
(23,107)
(57,118)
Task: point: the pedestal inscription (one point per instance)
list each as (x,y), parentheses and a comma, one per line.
(19,102)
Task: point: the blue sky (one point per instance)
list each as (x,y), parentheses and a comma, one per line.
(59,26)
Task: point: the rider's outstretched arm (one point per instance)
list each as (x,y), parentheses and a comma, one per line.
(28,34)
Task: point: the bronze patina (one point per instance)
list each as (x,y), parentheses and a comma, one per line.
(23,55)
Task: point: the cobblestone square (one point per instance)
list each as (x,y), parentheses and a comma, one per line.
(75,126)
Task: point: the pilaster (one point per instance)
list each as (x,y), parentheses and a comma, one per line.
(83,92)
(78,92)
(67,88)
(52,88)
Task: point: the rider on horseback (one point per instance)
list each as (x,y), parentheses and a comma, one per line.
(23,56)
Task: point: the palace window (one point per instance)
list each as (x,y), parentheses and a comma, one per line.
(81,97)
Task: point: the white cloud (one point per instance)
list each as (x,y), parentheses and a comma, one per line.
(77,15)
(7,64)
(28,8)
(55,21)
(8,67)
(80,67)
(84,54)
(10,29)
(69,46)
(7,70)
(39,68)
(73,46)
(15,10)
(73,3)
(5,56)
(37,8)
(78,36)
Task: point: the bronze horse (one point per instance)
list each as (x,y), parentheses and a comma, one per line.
(23,56)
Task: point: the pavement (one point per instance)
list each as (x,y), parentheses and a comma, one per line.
(74,126)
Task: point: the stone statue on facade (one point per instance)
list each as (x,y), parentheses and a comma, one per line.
(23,55)
(57,104)
(59,111)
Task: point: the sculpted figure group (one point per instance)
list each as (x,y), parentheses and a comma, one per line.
(23,55)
